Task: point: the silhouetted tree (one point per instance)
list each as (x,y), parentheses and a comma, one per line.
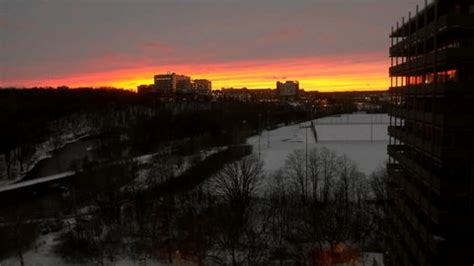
(236,185)
(329,198)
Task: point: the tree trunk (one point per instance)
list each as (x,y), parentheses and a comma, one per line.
(234,262)
(20,252)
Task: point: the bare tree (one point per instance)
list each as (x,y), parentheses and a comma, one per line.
(236,185)
(238,182)
(330,199)
(316,184)
(379,185)
(283,218)
(295,170)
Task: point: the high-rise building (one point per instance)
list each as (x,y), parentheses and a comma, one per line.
(287,89)
(172,82)
(431,161)
(183,84)
(165,82)
(202,86)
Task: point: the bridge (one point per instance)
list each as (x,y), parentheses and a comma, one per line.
(37,181)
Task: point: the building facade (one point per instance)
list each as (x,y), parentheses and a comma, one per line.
(183,84)
(202,86)
(288,89)
(165,82)
(172,83)
(431,161)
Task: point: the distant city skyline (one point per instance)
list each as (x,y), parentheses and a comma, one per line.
(327,45)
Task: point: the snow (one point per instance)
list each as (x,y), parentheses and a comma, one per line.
(354,118)
(42,254)
(368,156)
(361,137)
(364,140)
(143,179)
(143,159)
(148,158)
(370,259)
(43,151)
(37,181)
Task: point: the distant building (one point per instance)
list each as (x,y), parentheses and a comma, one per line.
(172,83)
(241,95)
(165,82)
(202,86)
(289,89)
(263,95)
(183,84)
(172,86)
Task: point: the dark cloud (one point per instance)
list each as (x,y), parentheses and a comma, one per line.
(58,37)
(3,23)
(157,46)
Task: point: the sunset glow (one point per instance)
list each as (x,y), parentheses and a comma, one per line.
(324,45)
(344,73)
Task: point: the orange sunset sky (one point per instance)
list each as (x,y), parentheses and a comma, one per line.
(325,45)
(324,74)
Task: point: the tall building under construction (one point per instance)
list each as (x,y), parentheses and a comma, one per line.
(431,162)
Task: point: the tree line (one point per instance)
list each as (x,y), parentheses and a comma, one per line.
(38,121)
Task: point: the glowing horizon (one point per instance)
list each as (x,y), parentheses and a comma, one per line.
(329,73)
(324,44)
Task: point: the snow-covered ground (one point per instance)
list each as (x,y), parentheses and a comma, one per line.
(361,137)
(371,259)
(43,255)
(145,173)
(42,151)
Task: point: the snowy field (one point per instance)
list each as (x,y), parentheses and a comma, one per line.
(361,137)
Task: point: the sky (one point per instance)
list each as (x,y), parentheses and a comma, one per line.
(327,45)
